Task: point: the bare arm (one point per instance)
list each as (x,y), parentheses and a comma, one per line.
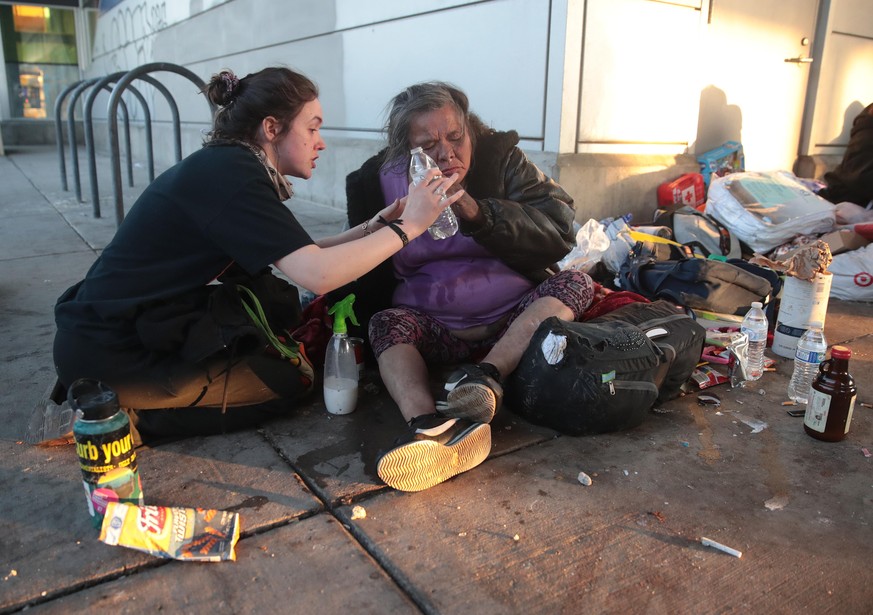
(337,260)
(390,213)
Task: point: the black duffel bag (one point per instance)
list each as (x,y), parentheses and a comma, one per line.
(675,333)
(585,378)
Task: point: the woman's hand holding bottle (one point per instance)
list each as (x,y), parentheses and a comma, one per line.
(427,200)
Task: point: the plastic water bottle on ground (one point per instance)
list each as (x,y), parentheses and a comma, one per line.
(810,353)
(755,326)
(446,223)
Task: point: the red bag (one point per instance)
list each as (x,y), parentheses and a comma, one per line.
(315,330)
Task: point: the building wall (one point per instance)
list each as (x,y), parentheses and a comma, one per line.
(510,56)
(607,95)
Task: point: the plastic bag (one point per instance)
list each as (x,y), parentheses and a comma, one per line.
(591,242)
(853,275)
(608,241)
(621,244)
(766,210)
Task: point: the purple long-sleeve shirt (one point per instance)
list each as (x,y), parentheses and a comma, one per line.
(455,280)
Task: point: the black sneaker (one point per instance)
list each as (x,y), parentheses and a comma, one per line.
(435,449)
(472,392)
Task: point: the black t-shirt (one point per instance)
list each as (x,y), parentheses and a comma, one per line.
(215,207)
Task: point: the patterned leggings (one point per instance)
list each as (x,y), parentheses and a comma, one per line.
(401,325)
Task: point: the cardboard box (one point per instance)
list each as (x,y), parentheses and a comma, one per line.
(844,240)
(718,162)
(839,241)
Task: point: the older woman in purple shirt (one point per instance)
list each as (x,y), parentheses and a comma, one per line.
(472,300)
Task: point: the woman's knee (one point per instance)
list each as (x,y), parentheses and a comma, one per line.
(395,326)
(573,288)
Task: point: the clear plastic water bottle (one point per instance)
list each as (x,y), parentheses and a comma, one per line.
(755,326)
(446,223)
(810,353)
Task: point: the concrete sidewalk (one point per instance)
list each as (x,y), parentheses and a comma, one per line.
(519,534)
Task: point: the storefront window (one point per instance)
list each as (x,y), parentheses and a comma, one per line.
(39,47)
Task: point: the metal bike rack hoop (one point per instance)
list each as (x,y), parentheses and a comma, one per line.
(114,100)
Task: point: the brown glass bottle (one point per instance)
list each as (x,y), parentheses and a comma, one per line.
(831,399)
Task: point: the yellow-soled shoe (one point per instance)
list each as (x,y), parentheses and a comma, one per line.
(435,449)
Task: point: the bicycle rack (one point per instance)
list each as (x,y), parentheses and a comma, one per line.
(71,130)
(115,99)
(89,137)
(59,131)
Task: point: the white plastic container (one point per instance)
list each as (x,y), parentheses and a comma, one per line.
(802,302)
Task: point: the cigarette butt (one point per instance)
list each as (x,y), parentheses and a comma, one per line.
(790,402)
(866,452)
(708,542)
(866,405)
(769,369)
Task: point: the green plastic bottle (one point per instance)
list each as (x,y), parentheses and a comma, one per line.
(340,365)
(105,448)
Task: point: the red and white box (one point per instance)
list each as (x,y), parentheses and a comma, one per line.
(688,189)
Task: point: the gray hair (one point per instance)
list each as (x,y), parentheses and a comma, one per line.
(424,98)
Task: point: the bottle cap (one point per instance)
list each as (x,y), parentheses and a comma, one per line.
(96,400)
(841,352)
(415,150)
(342,310)
(816,323)
(757,304)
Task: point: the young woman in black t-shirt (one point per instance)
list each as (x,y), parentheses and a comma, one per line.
(221,209)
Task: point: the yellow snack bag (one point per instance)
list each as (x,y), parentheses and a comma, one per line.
(192,534)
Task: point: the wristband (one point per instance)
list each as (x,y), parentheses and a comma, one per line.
(394,225)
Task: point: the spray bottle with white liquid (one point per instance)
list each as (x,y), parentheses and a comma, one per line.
(340,365)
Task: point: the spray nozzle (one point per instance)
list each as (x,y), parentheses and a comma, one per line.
(342,310)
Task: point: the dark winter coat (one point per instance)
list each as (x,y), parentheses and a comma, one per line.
(852,179)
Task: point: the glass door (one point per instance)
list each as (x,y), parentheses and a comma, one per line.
(39,49)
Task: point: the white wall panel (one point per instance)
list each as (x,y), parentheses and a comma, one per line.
(354,13)
(847,81)
(495,51)
(640,74)
(855,16)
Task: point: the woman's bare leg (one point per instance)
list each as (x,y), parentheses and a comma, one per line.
(405,375)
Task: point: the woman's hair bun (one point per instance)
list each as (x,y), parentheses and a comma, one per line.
(223,88)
